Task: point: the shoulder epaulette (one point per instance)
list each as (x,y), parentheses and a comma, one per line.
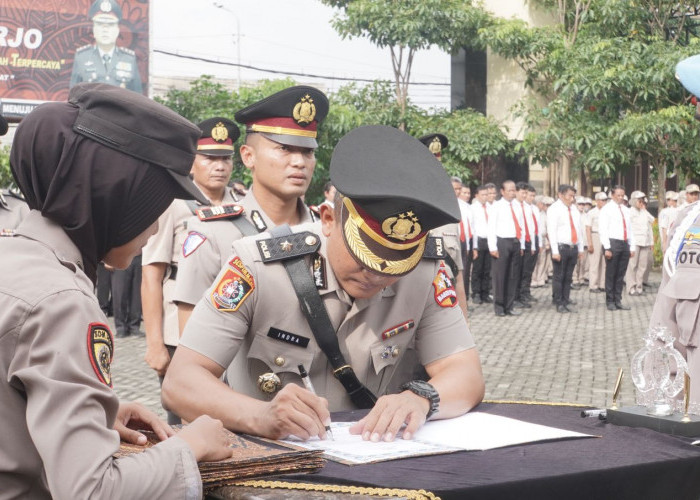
(126,51)
(229,211)
(434,248)
(289,246)
(83,48)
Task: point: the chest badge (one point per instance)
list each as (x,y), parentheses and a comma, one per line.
(269,383)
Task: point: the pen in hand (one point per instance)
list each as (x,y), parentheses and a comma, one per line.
(309,387)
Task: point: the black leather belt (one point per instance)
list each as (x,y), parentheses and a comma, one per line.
(566,245)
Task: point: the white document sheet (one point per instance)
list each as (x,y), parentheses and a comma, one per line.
(470,432)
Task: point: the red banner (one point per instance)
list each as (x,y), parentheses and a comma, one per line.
(48,45)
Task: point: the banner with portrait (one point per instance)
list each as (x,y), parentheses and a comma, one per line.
(48,45)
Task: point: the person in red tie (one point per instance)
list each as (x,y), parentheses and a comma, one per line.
(481,265)
(618,241)
(506,241)
(523,295)
(566,241)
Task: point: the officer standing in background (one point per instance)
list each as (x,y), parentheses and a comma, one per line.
(282,161)
(596,259)
(566,241)
(211,171)
(523,294)
(105,62)
(381,295)
(453,235)
(692,194)
(617,238)
(667,216)
(539,275)
(678,299)
(481,265)
(506,241)
(640,222)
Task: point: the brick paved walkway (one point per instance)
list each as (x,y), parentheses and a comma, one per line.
(540,356)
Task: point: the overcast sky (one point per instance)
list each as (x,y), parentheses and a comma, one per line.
(281,35)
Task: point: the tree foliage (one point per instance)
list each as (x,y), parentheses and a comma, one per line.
(406,26)
(604,78)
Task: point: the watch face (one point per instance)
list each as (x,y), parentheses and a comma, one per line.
(425,390)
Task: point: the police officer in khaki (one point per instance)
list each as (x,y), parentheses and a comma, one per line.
(453,235)
(596,259)
(104,61)
(678,299)
(211,170)
(282,162)
(366,266)
(88,170)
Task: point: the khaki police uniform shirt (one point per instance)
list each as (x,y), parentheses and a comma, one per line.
(641,221)
(450,238)
(677,305)
(166,247)
(269,333)
(56,438)
(200,265)
(12,211)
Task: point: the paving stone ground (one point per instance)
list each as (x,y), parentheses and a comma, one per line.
(539,356)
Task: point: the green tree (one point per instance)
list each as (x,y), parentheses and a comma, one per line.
(407,26)
(603,73)
(5,174)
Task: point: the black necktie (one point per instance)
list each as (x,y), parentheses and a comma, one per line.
(106,58)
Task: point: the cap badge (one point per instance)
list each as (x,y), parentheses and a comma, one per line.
(435,146)
(219,133)
(106,6)
(405,226)
(305,111)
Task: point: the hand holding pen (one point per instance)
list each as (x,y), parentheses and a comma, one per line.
(309,387)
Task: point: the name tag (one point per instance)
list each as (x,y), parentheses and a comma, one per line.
(288,337)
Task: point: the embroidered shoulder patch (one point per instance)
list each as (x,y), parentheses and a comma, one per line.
(100,344)
(193,241)
(234,286)
(445,294)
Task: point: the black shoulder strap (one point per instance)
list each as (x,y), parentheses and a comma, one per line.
(316,315)
(192,205)
(435,250)
(245,226)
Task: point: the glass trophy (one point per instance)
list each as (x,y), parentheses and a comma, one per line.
(658,371)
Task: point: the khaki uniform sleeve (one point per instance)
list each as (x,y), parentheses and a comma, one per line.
(198,270)
(212,330)
(442,331)
(70,413)
(159,248)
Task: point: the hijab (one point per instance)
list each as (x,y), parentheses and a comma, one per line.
(101,197)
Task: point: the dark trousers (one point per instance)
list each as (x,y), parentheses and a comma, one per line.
(126,297)
(563,273)
(172,418)
(467,265)
(528,267)
(481,271)
(505,271)
(615,270)
(104,286)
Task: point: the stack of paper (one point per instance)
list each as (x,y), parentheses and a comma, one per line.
(250,460)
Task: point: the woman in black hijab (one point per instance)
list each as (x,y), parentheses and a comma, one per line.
(96,171)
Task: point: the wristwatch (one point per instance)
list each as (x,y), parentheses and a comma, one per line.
(424,390)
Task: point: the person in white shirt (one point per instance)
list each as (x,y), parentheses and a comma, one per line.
(506,241)
(526,193)
(539,275)
(493,191)
(596,261)
(640,222)
(566,241)
(617,238)
(667,216)
(481,264)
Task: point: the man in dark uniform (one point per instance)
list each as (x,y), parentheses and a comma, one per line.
(103,61)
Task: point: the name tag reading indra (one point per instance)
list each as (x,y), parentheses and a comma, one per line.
(289,338)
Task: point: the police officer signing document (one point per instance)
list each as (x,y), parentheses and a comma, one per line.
(345,297)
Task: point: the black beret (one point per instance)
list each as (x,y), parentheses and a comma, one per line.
(140,127)
(218,136)
(290,116)
(395,191)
